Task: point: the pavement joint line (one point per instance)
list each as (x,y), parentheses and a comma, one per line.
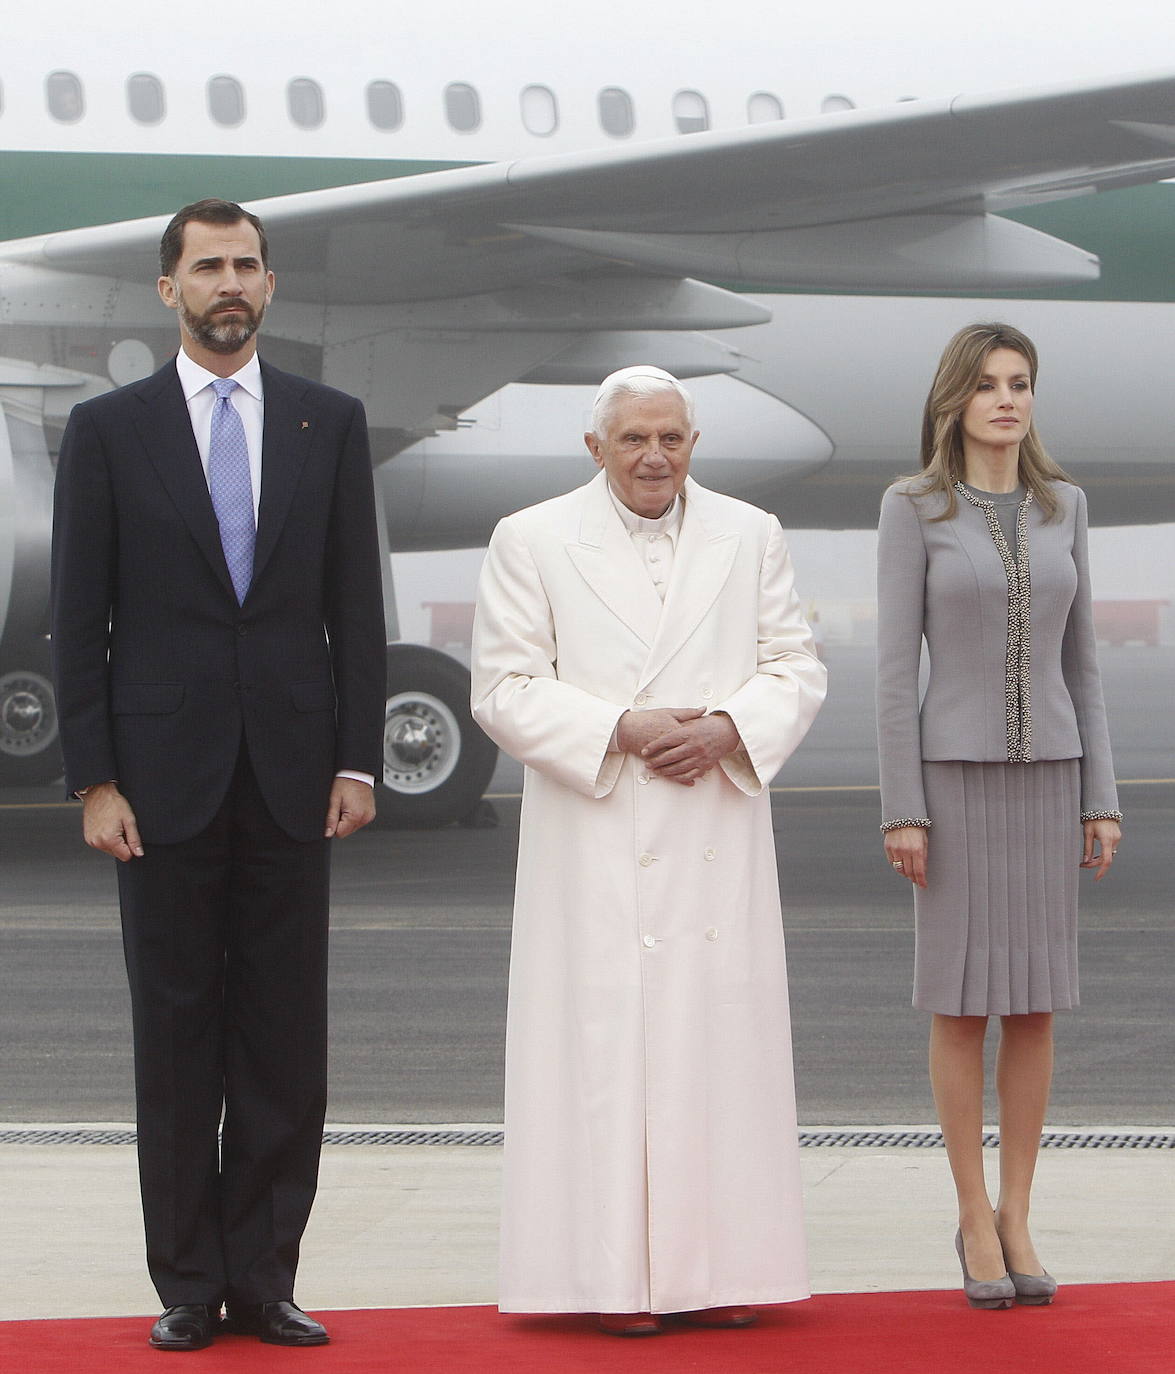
(490,1134)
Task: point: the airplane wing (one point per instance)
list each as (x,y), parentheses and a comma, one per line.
(547,254)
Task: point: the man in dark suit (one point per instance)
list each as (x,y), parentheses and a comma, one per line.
(219,654)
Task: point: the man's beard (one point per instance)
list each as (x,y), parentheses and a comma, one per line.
(226,334)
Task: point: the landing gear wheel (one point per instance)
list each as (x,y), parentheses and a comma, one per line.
(30,750)
(436,761)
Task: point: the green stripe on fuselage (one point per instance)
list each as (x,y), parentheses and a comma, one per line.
(47,192)
(1132,231)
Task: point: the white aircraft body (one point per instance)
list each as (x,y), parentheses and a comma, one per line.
(478,211)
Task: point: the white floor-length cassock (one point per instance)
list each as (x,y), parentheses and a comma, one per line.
(651,1159)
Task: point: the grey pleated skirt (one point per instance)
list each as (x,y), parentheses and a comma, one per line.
(996,926)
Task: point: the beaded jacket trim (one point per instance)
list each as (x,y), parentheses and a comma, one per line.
(922,821)
(1101,815)
(1017,683)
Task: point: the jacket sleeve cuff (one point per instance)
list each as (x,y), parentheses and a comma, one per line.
(923,822)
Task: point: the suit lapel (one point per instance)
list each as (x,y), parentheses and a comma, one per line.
(288,436)
(165,428)
(701,564)
(608,563)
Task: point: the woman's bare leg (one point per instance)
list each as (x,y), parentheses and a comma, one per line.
(1024,1071)
(956,1076)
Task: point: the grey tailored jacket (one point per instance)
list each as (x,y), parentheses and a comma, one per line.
(992,696)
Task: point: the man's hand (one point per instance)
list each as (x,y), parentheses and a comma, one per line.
(637,729)
(688,752)
(109,824)
(352,805)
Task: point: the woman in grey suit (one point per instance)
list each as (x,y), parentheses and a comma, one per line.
(1001,785)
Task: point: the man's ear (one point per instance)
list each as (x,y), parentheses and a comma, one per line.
(167,292)
(593,447)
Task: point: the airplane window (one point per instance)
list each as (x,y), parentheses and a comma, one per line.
(462,107)
(540,110)
(691,114)
(64,96)
(305,103)
(616,112)
(226,100)
(145,99)
(385,105)
(763,107)
(831,103)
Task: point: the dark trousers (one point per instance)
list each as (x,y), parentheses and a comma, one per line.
(225,938)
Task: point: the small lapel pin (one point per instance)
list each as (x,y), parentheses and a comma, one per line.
(305,424)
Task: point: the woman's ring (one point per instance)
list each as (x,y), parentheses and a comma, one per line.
(897,863)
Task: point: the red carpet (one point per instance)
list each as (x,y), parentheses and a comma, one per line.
(1104,1329)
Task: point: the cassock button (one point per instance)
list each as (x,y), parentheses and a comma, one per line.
(640,698)
(648,942)
(707,692)
(710,856)
(711,935)
(642,777)
(645,860)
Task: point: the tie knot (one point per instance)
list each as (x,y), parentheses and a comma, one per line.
(224,387)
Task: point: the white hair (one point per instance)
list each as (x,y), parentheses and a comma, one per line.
(642,380)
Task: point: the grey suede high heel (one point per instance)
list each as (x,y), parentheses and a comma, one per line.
(989,1293)
(1034,1290)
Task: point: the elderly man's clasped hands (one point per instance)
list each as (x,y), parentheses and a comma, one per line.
(680,744)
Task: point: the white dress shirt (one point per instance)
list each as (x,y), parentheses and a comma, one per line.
(248,400)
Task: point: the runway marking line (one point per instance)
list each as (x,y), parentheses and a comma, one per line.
(866,787)
(515,796)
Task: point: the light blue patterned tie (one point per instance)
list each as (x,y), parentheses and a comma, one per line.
(231,488)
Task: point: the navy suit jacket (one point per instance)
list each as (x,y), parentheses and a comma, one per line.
(159,671)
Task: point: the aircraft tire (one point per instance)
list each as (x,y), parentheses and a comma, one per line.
(30,743)
(437,761)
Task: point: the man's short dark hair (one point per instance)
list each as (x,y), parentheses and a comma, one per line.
(210,211)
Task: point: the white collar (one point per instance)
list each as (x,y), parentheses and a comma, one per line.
(669,523)
(194,378)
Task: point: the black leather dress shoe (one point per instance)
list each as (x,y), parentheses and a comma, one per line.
(190,1326)
(276,1323)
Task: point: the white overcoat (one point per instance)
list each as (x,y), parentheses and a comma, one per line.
(651,1159)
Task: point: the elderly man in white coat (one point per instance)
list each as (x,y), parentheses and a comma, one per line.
(640,648)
